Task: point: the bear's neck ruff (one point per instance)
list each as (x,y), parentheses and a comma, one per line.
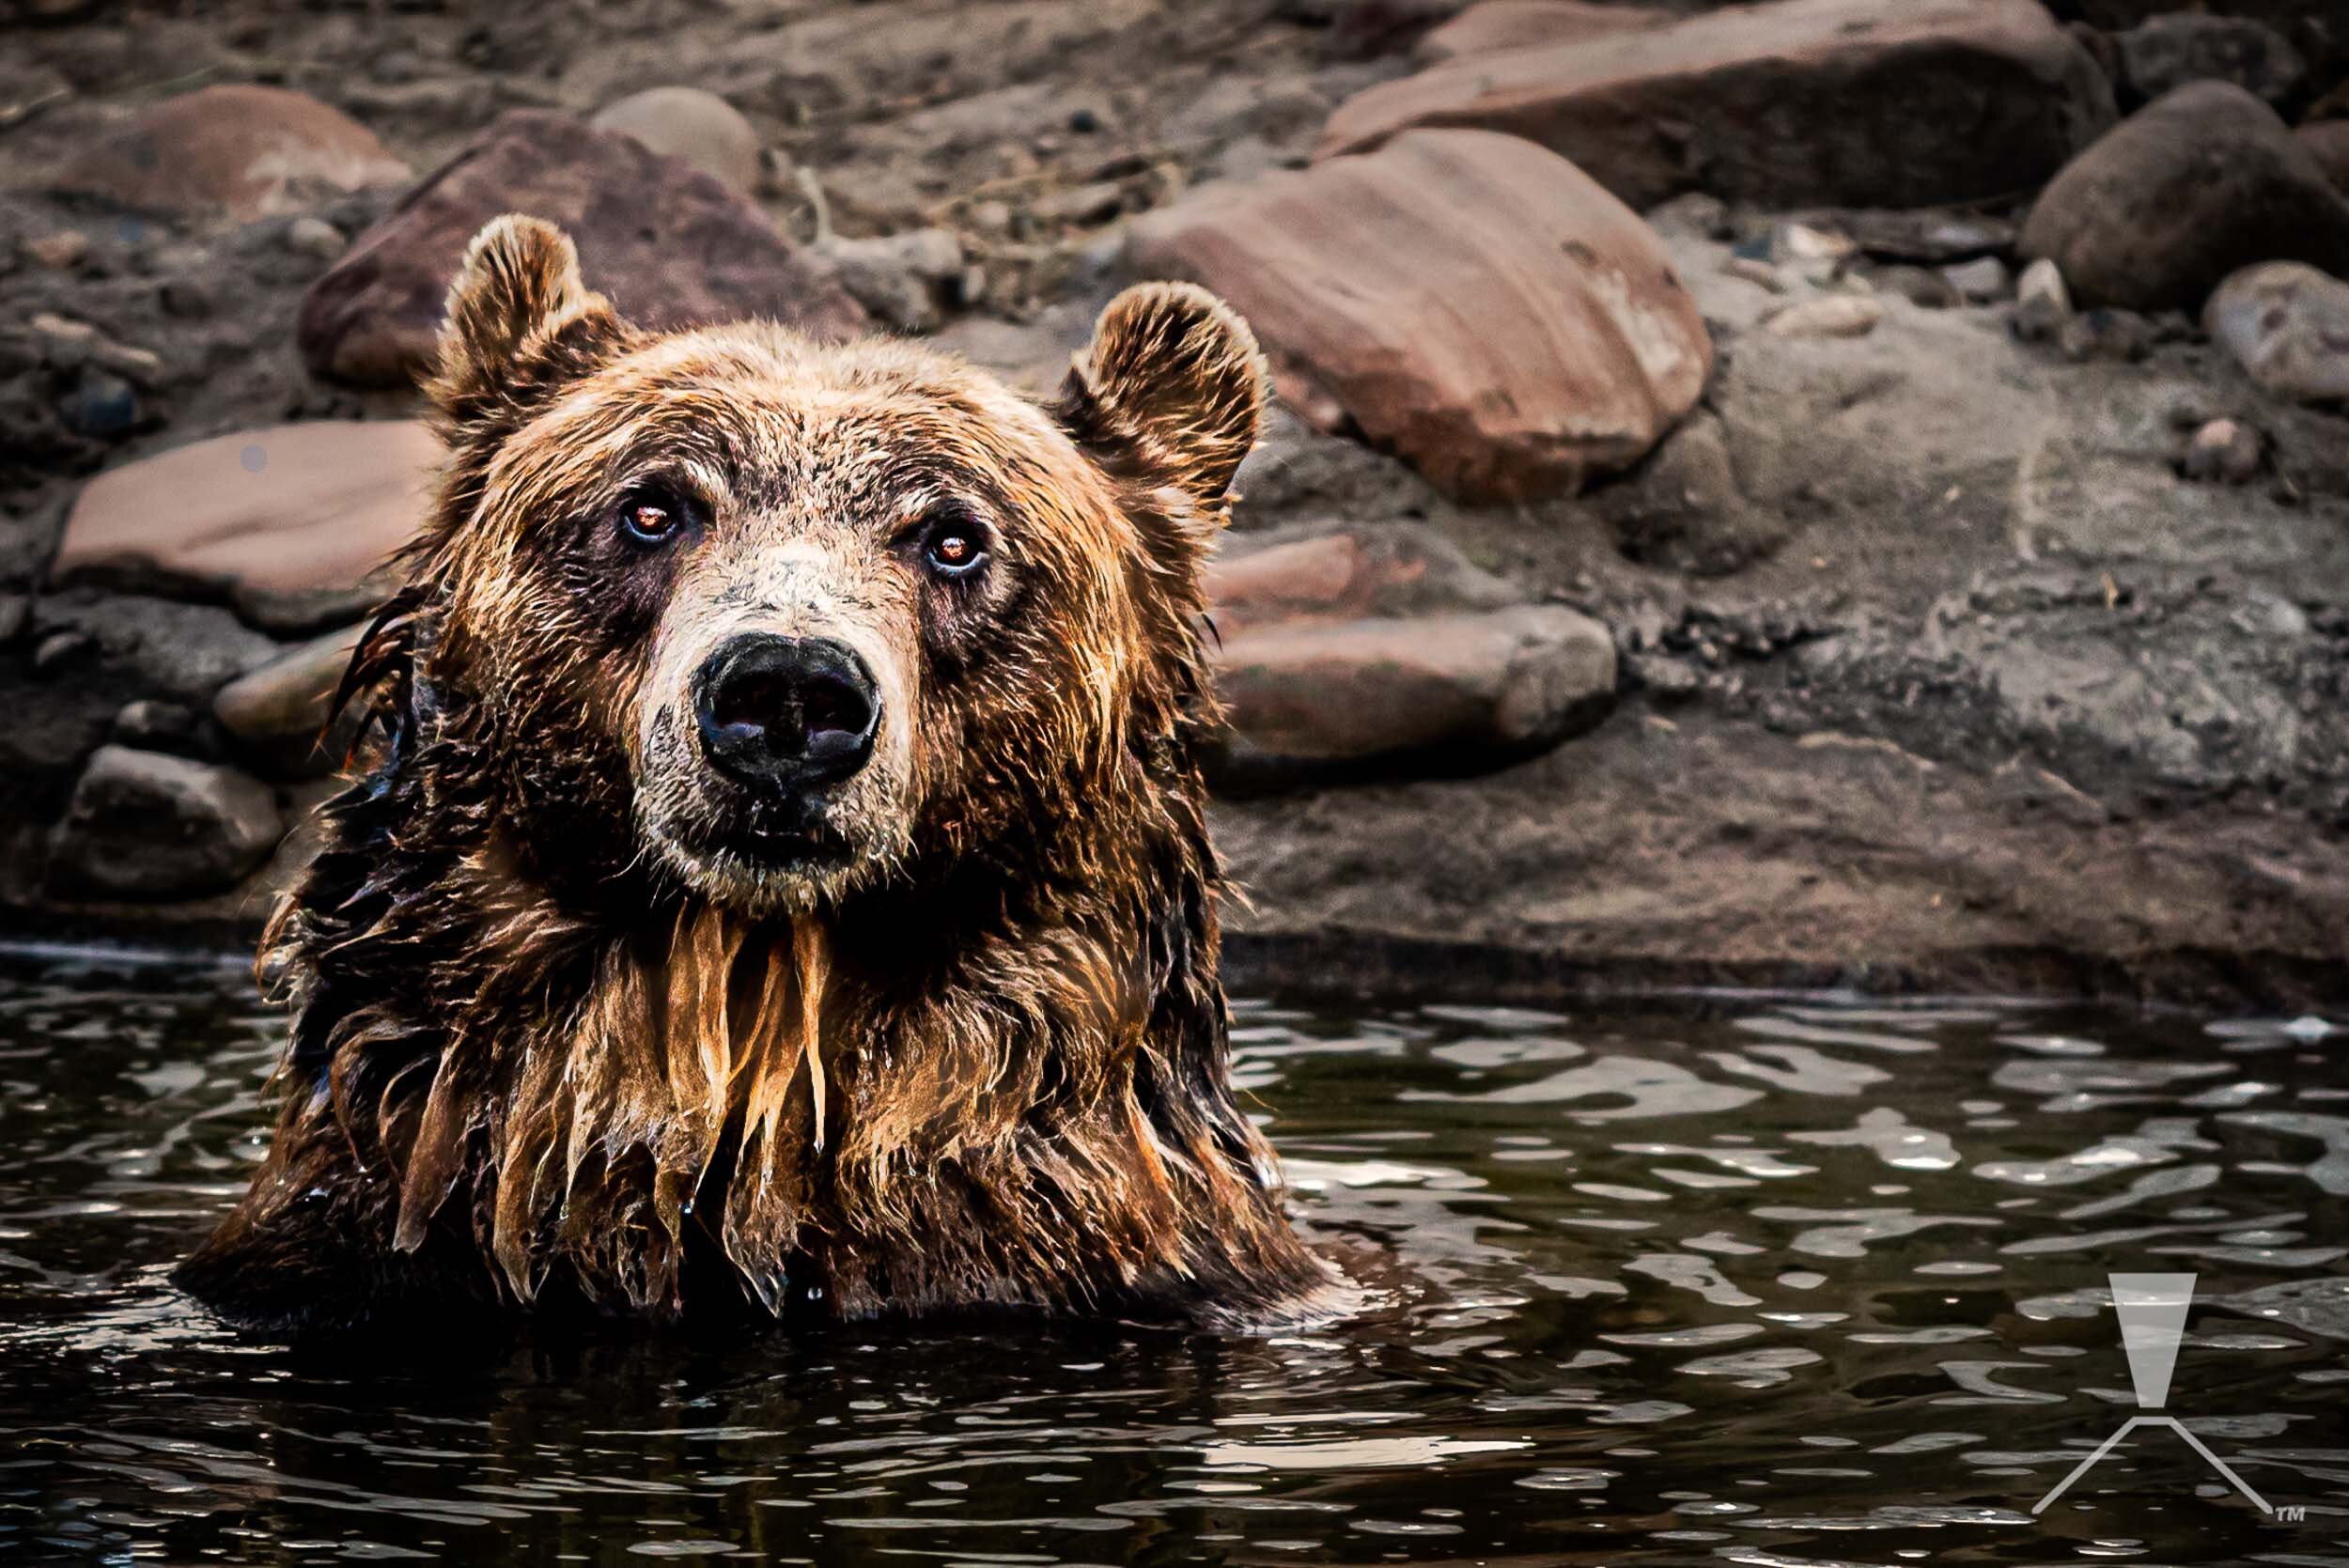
(608,1121)
(1036,1114)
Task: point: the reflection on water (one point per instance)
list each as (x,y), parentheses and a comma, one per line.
(1729,1282)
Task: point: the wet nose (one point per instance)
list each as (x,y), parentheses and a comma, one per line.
(786,712)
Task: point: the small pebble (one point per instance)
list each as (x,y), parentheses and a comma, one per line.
(160,726)
(1981,281)
(1665,679)
(64,250)
(2225,451)
(100,406)
(2043,303)
(313,236)
(1801,242)
(1833,316)
(61,332)
(1754,270)
(58,649)
(2263,614)
(70,345)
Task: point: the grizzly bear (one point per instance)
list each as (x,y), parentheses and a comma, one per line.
(778,880)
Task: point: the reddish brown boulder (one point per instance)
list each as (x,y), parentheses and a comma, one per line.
(1491,26)
(1299,576)
(1447,693)
(1466,299)
(292,523)
(243,150)
(1378,569)
(1799,102)
(2190,189)
(670,244)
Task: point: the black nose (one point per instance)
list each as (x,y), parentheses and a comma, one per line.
(785,712)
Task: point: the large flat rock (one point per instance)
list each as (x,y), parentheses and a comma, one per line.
(1397,569)
(672,246)
(1844,102)
(1382,650)
(239,150)
(1468,301)
(1497,26)
(1451,694)
(294,522)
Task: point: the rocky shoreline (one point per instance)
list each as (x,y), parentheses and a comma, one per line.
(1900,544)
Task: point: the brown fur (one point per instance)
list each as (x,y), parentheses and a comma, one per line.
(558,1036)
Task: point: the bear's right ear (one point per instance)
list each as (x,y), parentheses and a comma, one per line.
(518,320)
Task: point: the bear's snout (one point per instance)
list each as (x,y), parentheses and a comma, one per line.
(785,714)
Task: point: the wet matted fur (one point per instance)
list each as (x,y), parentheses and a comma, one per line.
(566,1026)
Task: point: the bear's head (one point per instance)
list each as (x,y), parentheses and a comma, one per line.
(784,863)
(773,620)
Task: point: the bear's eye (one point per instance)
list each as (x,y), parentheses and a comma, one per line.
(954,543)
(653,514)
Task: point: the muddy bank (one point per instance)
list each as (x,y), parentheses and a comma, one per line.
(1710,851)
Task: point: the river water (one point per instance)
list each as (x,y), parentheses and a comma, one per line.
(1707,1280)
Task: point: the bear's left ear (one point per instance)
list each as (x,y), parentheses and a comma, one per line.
(1172,387)
(518,320)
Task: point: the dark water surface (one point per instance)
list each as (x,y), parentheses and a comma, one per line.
(1717,1281)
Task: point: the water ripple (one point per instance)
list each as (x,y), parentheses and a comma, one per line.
(1778,1282)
